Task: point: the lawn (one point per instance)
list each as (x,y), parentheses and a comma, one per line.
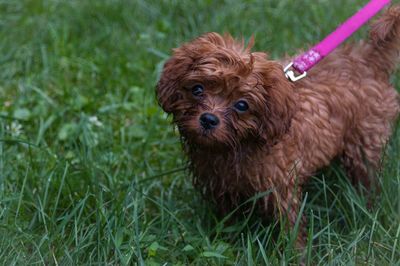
(92,172)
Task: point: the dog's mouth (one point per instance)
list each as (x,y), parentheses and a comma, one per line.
(206,136)
(218,137)
(201,137)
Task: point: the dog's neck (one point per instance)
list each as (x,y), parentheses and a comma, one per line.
(226,174)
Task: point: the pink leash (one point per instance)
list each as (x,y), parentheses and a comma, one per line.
(310,58)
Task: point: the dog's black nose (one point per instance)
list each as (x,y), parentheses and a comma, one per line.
(208,121)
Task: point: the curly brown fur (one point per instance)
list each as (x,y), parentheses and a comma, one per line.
(345,107)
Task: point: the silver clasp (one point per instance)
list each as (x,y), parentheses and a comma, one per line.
(290,73)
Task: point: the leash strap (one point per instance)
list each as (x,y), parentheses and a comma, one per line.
(310,58)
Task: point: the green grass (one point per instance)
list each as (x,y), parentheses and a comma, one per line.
(75,190)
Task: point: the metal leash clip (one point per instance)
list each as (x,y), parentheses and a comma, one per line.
(290,73)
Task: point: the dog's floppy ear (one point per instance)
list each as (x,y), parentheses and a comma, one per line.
(278,93)
(168,87)
(167,91)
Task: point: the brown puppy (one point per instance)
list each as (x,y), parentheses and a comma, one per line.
(247,129)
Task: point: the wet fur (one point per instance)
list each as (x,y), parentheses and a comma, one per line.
(344,108)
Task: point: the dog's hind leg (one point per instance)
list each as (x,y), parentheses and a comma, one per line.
(365,143)
(357,167)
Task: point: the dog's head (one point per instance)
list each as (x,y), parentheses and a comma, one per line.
(220,93)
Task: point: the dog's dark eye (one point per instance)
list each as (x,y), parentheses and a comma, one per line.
(241,106)
(197,90)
